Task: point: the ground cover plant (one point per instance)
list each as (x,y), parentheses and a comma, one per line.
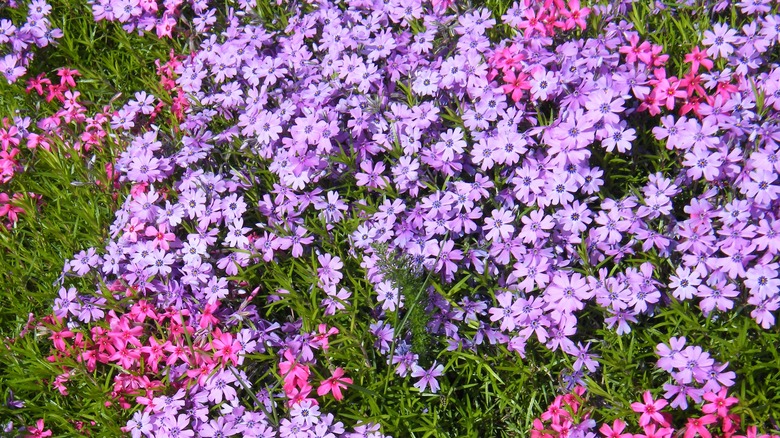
(399,218)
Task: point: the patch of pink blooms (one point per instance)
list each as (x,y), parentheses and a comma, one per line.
(571,415)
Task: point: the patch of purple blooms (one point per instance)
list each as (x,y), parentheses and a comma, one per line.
(18,40)
(164,18)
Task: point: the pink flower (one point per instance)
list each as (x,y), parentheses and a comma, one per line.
(37,431)
(294,374)
(718,403)
(697,58)
(696,426)
(161,236)
(650,410)
(321,339)
(575,15)
(516,82)
(58,338)
(616,431)
(226,347)
(651,432)
(66,76)
(334,384)
(555,411)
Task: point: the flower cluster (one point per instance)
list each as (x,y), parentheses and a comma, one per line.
(20,136)
(564,417)
(569,415)
(17,41)
(178,366)
(163,18)
(688,366)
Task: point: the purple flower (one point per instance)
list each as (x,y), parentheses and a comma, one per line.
(177,426)
(544,84)
(761,188)
(566,292)
(506,311)
(332,208)
(221,427)
(305,413)
(719,40)
(427,377)
(684,283)
(67,303)
(584,358)
(84,261)
(499,225)
(9,66)
(716,377)
(693,363)
(140,425)
(718,296)
(669,355)
(219,386)
(681,394)
(389,296)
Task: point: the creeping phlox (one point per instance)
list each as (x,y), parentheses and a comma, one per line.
(444,158)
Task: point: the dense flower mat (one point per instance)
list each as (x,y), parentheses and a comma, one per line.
(357,218)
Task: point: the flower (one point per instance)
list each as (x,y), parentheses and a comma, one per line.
(10,68)
(650,410)
(719,41)
(293,373)
(499,225)
(696,426)
(334,384)
(38,431)
(718,403)
(427,377)
(616,431)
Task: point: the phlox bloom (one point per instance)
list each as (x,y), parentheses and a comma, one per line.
(427,377)
(650,410)
(334,384)
(294,374)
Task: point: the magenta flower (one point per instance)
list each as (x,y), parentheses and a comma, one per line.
(334,384)
(615,431)
(697,426)
(650,410)
(718,403)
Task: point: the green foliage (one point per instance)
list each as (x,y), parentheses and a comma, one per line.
(72,214)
